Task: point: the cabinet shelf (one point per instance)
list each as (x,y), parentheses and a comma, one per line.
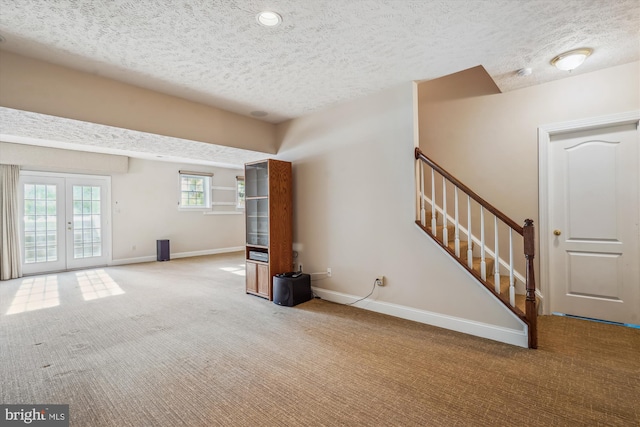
(268,189)
(249,246)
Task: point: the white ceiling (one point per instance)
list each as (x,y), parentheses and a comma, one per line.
(324,52)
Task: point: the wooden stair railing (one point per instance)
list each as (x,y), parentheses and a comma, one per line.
(448,236)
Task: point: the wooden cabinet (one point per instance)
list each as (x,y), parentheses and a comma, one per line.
(257,278)
(269,224)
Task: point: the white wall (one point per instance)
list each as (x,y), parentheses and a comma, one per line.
(353,178)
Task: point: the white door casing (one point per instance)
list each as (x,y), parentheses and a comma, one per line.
(589,194)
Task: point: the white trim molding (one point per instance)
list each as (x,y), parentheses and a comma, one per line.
(466,326)
(152,258)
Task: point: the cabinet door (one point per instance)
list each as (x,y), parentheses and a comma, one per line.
(252,277)
(264,282)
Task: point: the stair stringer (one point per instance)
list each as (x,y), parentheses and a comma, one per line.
(514,337)
(520,280)
(474,276)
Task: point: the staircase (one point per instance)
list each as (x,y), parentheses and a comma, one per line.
(479,255)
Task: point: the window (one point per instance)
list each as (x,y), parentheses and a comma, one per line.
(240,192)
(195,190)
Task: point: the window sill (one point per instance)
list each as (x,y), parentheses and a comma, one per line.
(223,213)
(180,209)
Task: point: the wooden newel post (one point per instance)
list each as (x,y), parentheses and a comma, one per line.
(530,307)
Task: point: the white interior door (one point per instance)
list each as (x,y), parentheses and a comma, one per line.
(66,222)
(594,252)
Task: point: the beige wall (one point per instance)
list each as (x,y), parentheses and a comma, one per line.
(36,158)
(489,139)
(145,208)
(353,176)
(144,201)
(33,85)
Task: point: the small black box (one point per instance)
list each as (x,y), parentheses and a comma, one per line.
(162,247)
(290,291)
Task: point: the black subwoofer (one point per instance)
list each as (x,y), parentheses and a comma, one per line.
(290,291)
(162,249)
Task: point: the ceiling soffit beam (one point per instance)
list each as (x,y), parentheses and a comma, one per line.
(33,85)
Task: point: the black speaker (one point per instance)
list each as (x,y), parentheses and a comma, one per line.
(162,249)
(290,291)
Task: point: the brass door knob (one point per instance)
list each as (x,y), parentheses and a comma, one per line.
(557,232)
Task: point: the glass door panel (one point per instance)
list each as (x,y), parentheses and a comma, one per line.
(251,207)
(86,206)
(42,226)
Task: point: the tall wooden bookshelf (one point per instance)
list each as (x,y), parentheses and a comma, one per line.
(269,224)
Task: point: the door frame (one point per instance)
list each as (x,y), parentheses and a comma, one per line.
(545,133)
(107,235)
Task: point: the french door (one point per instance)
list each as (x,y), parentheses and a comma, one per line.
(66,221)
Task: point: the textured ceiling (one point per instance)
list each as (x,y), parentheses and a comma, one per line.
(39,129)
(323,53)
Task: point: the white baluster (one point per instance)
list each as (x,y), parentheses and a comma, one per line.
(423,212)
(512,282)
(457,235)
(416,177)
(496,264)
(445,232)
(434,223)
(469,241)
(483,263)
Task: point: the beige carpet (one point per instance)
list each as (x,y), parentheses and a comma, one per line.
(180,344)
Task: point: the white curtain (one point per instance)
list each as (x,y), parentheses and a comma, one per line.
(10,262)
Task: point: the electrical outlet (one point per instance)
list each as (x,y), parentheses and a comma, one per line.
(328,271)
(380,281)
(300,266)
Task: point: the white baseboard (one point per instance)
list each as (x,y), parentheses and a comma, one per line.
(479,329)
(177,255)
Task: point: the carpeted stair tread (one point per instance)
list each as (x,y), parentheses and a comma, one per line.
(489,262)
(464,246)
(504,283)
(451,229)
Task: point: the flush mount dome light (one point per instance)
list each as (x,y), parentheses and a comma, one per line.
(269,19)
(571,60)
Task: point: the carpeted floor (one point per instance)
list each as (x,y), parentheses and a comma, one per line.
(180,344)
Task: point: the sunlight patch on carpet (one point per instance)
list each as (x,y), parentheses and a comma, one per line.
(96,284)
(35,293)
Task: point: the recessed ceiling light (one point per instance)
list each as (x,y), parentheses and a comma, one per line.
(258,113)
(571,60)
(269,19)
